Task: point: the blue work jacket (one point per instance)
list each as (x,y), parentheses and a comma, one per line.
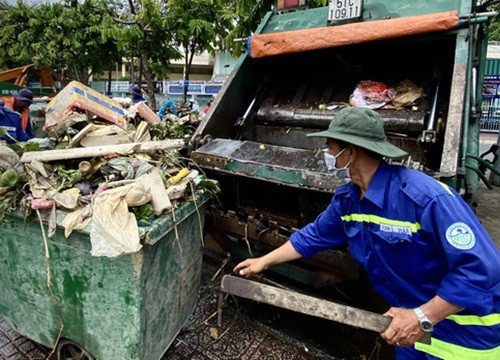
(417,238)
(12,122)
(169,104)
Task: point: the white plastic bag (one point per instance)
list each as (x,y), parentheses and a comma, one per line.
(114,227)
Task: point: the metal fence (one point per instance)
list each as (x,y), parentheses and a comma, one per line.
(490,117)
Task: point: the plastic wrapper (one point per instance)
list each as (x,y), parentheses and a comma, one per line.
(77,220)
(407,93)
(114,227)
(9,159)
(371,94)
(159,200)
(67,201)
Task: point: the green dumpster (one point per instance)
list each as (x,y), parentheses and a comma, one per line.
(130,307)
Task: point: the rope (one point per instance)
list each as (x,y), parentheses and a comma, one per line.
(49,286)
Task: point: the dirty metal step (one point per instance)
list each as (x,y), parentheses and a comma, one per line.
(277,164)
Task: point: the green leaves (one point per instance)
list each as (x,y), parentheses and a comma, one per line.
(4,132)
(58,35)
(494,30)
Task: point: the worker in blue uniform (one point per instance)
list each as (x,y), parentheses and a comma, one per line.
(137,95)
(169,106)
(12,122)
(423,248)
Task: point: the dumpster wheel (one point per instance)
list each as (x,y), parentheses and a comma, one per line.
(70,350)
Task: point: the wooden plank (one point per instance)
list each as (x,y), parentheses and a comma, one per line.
(89,152)
(306,304)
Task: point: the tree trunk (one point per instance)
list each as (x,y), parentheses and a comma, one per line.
(188,64)
(110,73)
(87,78)
(141,69)
(186,75)
(132,75)
(149,79)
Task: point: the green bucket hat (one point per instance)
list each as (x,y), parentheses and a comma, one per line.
(361,127)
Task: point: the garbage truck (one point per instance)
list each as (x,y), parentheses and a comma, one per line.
(300,69)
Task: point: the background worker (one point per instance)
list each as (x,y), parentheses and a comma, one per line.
(169,106)
(137,95)
(193,105)
(11,121)
(20,102)
(209,105)
(423,248)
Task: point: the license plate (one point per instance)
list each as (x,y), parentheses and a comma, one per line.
(344,9)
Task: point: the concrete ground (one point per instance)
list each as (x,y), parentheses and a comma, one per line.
(488,209)
(243,336)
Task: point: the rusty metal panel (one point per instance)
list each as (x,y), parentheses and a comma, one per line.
(271,236)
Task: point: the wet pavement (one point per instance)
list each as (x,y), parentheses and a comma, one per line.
(488,211)
(240,336)
(14,346)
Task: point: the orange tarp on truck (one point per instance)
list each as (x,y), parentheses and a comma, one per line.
(289,42)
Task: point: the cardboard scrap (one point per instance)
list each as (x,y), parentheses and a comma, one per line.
(78,96)
(145,112)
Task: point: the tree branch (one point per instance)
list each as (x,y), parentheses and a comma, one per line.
(132,8)
(88,76)
(125,22)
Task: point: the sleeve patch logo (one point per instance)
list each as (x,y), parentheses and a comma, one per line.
(460,236)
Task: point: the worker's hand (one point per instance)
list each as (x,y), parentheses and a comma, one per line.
(251,266)
(403,330)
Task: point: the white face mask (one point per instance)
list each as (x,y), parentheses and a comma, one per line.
(331,160)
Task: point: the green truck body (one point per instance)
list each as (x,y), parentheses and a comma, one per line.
(254,138)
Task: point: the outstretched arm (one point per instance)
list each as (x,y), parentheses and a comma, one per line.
(284,253)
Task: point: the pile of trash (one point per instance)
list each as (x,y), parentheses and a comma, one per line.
(377,95)
(99,171)
(174,120)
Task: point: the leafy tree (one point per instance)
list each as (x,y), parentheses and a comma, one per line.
(141,31)
(13,22)
(246,15)
(210,25)
(495,23)
(198,26)
(58,35)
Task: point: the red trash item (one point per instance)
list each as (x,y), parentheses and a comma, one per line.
(371,94)
(42,203)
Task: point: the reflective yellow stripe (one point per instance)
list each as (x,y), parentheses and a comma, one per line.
(444,350)
(488,320)
(380,220)
(446,187)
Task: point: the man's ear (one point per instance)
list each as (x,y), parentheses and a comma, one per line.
(352,152)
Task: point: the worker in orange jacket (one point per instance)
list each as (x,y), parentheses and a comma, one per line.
(20,102)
